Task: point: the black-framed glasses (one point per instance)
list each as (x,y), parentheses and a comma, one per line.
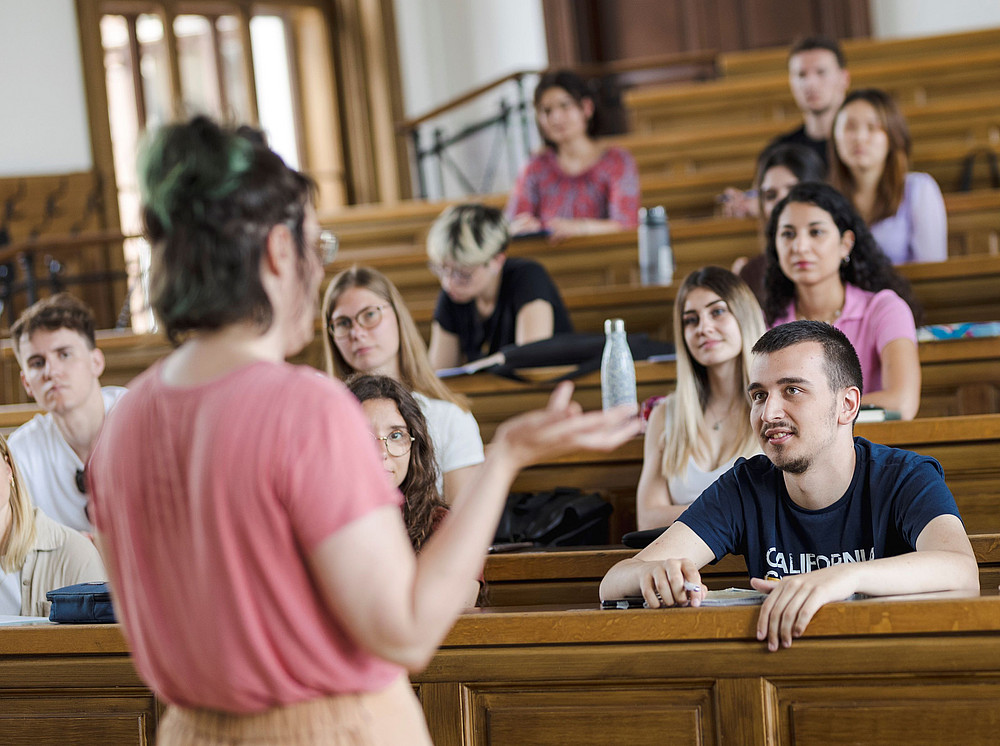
(460,275)
(397,443)
(367,318)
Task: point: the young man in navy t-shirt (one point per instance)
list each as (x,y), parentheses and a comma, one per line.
(824,512)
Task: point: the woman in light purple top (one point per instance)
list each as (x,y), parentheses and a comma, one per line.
(824,264)
(870,162)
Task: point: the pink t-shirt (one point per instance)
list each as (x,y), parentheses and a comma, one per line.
(211,499)
(870,321)
(608,190)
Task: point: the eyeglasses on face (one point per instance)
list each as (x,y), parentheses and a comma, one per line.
(327,247)
(367,318)
(458,275)
(397,443)
(327,243)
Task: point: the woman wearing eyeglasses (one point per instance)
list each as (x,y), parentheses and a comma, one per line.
(36,553)
(262,571)
(370,330)
(487,299)
(407,455)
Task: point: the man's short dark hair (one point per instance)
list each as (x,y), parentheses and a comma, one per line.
(60,311)
(810,43)
(840,359)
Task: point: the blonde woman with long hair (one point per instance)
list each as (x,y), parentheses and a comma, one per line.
(36,553)
(696,433)
(368,329)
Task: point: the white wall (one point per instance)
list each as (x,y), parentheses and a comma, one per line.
(43,128)
(448,47)
(904,18)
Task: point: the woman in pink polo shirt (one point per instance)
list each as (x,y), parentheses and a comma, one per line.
(823,264)
(260,566)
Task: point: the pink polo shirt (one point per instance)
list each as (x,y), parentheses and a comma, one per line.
(870,321)
(211,499)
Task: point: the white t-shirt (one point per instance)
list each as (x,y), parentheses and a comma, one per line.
(454,433)
(686,488)
(49,466)
(10,593)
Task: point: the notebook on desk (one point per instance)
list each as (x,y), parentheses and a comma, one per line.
(727,597)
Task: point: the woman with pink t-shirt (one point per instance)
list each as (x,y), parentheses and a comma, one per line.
(575,185)
(823,264)
(258,558)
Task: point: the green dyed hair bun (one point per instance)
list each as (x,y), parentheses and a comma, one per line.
(185,167)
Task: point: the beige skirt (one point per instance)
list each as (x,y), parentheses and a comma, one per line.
(386,718)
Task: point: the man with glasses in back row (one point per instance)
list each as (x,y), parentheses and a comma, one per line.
(54,344)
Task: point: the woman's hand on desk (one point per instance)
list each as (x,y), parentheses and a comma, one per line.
(793,600)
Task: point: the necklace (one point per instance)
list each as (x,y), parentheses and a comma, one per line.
(828,318)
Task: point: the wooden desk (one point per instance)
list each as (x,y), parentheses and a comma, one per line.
(913,670)
(865,671)
(72,684)
(572,576)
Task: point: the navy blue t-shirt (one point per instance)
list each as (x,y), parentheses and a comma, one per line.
(521,282)
(893,496)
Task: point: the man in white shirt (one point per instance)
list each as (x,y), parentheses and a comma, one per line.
(54,344)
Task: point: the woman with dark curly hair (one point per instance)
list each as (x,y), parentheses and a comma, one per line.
(823,264)
(407,454)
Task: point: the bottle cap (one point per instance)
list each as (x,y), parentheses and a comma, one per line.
(614,325)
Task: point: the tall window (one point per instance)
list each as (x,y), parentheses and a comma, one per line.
(235,61)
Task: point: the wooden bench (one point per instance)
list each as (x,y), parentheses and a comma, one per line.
(967,447)
(766,96)
(938,129)
(959,377)
(572,575)
(961,289)
(859,51)
(611,260)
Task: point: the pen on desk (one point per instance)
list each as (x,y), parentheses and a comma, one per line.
(693,587)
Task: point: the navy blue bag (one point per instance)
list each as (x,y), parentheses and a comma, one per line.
(83,603)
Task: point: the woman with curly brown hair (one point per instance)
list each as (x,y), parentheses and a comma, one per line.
(407,454)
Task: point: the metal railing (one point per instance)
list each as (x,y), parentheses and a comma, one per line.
(436,154)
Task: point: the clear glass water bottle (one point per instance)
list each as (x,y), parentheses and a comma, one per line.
(656,258)
(617,367)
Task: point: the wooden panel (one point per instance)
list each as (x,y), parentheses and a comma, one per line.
(544,715)
(72,685)
(915,713)
(533,670)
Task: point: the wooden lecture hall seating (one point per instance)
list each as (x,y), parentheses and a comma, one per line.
(540,663)
(919,670)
